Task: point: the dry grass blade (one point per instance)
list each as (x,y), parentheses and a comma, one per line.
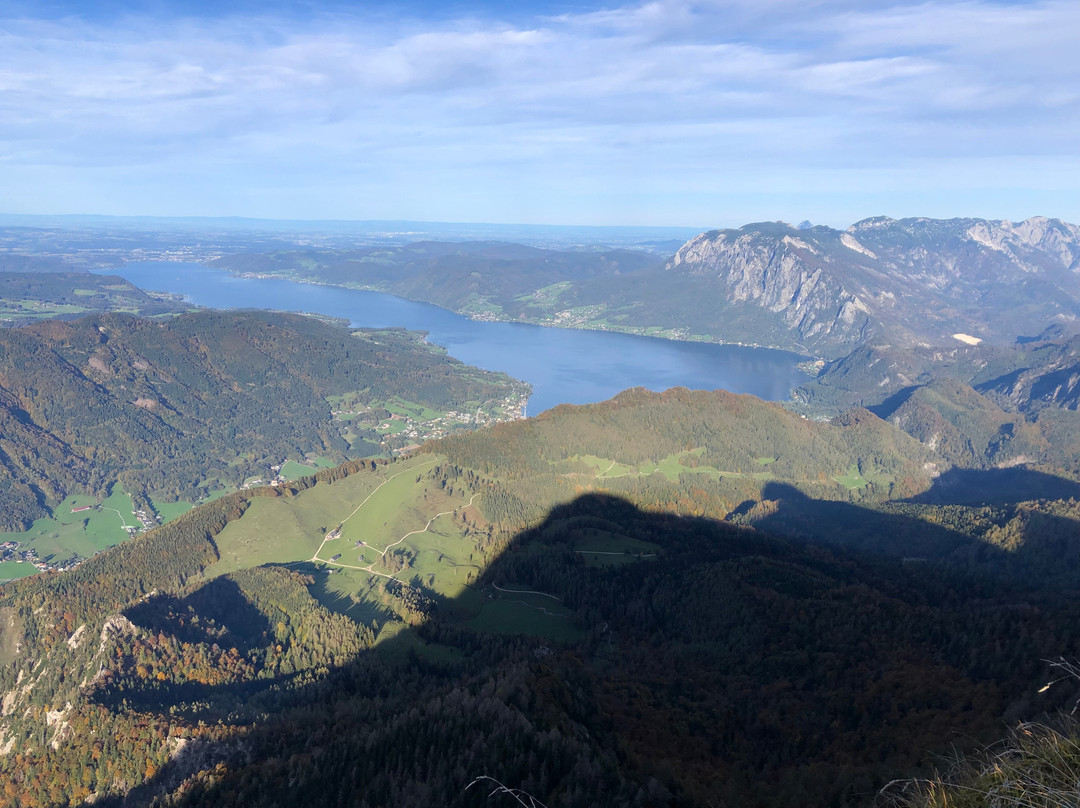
(522,797)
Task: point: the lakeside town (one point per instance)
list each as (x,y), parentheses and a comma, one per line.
(401,427)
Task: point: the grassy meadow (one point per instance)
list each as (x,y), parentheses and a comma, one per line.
(66,534)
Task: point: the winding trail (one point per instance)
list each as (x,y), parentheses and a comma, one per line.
(609,552)
(383,552)
(427,526)
(374,491)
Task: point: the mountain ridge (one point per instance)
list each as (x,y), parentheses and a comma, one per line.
(914,282)
(895,280)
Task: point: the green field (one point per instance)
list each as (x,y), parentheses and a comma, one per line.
(10,570)
(38,309)
(291,470)
(513,611)
(852,480)
(395,523)
(410,409)
(170,510)
(294,469)
(670,467)
(391,427)
(280,530)
(67,534)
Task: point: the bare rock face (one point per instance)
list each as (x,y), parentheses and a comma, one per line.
(912,282)
(783,274)
(1059,241)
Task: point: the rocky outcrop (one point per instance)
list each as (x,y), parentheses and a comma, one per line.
(911,282)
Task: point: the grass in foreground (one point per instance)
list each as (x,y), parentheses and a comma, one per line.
(1035,767)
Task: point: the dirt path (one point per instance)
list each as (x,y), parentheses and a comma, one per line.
(382,553)
(123,521)
(315,557)
(609,552)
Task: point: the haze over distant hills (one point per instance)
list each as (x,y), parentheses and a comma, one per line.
(106,240)
(908,283)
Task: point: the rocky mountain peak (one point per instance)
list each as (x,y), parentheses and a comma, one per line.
(909,281)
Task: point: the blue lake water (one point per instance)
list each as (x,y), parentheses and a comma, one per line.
(563,365)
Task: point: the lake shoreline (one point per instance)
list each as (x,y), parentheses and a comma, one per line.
(563,364)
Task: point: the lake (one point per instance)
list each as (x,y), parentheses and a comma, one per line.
(563,365)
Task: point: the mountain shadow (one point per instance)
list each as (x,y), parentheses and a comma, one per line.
(893,402)
(217,611)
(1031,547)
(787,511)
(959,486)
(704,664)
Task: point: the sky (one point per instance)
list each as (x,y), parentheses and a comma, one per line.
(699,114)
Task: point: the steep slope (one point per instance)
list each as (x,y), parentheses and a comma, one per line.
(1048,376)
(967,429)
(975,405)
(905,283)
(167,405)
(714,665)
(580,627)
(910,281)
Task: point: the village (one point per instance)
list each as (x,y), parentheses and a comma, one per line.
(9,551)
(402,428)
(14,551)
(399,427)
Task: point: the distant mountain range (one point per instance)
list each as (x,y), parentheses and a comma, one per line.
(912,282)
(908,283)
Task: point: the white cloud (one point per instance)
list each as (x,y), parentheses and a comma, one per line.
(659,92)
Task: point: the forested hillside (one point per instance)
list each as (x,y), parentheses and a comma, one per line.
(905,283)
(29,296)
(493,280)
(181,406)
(697,452)
(559,604)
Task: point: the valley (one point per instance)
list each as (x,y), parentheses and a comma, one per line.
(564,548)
(812,290)
(182,411)
(288,540)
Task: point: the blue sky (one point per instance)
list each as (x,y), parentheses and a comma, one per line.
(704,114)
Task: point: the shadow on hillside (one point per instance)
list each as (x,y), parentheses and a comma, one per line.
(222,614)
(725,662)
(1033,550)
(363,611)
(996,487)
(791,513)
(893,402)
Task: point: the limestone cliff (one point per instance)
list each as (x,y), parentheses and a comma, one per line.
(912,282)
